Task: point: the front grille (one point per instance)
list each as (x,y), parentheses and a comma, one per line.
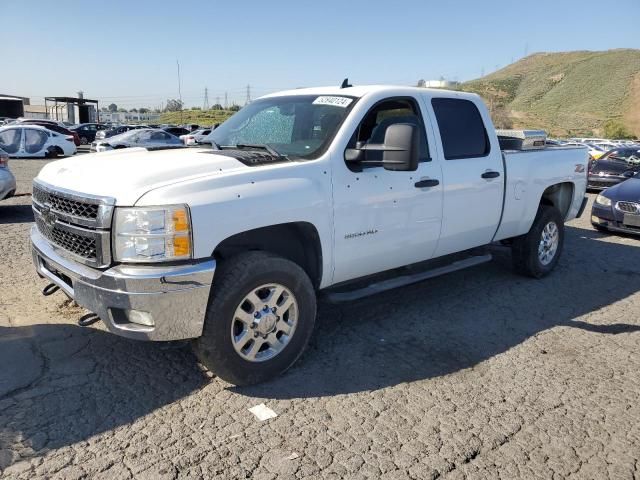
(628,207)
(68,206)
(82,245)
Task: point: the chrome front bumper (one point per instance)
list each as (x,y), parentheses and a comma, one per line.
(171,297)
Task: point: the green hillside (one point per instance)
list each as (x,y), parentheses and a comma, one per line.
(566,93)
(201,117)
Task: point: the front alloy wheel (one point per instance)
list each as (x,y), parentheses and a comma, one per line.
(259,319)
(264,322)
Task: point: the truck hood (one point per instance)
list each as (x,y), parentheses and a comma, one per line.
(127,174)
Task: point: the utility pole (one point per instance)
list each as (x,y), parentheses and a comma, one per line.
(206,99)
(248,99)
(179,92)
(226,103)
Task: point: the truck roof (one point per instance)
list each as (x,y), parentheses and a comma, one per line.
(362,90)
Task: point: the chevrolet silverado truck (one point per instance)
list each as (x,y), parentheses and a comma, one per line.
(344,191)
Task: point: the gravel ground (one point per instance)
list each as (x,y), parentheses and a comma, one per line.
(479,374)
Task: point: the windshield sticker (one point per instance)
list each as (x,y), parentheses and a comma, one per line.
(342,102)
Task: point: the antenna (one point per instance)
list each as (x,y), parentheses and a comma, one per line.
(345,83)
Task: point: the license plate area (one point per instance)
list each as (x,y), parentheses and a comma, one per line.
(56,276)
(631,220)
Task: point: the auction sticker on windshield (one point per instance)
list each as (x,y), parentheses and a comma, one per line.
(342,102)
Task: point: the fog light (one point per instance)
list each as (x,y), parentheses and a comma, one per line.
(141,318)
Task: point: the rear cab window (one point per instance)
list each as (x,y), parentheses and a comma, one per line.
(462,129)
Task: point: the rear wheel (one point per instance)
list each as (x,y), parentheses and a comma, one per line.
(54,152)
(84,140)
(536,253)
(259,319)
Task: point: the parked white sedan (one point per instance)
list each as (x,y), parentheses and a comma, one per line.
(196,137)
(23,141)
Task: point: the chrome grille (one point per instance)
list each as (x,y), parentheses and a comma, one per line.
(83,246)
(74,223)
(628,207)
(65,205)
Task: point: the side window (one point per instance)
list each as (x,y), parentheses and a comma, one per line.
(374,125)
(461,128)
(10,140)
(34,140)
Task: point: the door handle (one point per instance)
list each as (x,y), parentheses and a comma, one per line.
(427,182)
(490,174)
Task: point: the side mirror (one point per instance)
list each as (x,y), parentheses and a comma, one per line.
(400,150)
(402,145)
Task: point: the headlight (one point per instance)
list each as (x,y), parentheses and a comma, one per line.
(602,200)
(152,234)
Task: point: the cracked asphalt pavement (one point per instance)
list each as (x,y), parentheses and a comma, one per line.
(478,374)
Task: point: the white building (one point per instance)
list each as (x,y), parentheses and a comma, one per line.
(129,117)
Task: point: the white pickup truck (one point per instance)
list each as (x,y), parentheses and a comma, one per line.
(347,191)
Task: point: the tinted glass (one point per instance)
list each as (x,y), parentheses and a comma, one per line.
(10,140)
(461,128)
(34,140)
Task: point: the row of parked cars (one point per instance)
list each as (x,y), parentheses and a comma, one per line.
(49,139)
(615,174)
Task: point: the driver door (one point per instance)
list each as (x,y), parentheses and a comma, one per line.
(383,218)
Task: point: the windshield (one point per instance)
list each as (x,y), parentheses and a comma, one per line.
(297,126)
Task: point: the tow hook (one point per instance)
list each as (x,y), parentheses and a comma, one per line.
(50,289)
(88,319)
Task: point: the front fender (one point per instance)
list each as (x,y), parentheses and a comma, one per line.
(226,205)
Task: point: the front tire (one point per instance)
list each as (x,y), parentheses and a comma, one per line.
(259,319)
(536,253)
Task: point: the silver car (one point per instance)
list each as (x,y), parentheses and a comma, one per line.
(7,180)
(146,138)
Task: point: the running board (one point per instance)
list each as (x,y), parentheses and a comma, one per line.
(401,281)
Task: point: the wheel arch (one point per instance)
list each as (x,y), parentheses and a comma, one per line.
(559,195)
(295,241)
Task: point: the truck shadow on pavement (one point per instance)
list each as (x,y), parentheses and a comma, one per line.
(62,384)
(12,214)
(454,322)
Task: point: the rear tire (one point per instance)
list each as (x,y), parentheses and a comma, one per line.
(536,253)
(222,348)
(84,140)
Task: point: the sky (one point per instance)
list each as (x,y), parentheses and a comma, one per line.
(125,52)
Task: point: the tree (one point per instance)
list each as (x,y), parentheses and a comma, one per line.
(143,110)
(173,105)
(234,107)
(216,106)
(113,107)
(421,83)
(124,110)
(134,110)
(616,130)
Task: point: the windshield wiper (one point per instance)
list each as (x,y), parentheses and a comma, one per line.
(261,146)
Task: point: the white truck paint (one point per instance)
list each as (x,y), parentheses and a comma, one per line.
(367,219)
